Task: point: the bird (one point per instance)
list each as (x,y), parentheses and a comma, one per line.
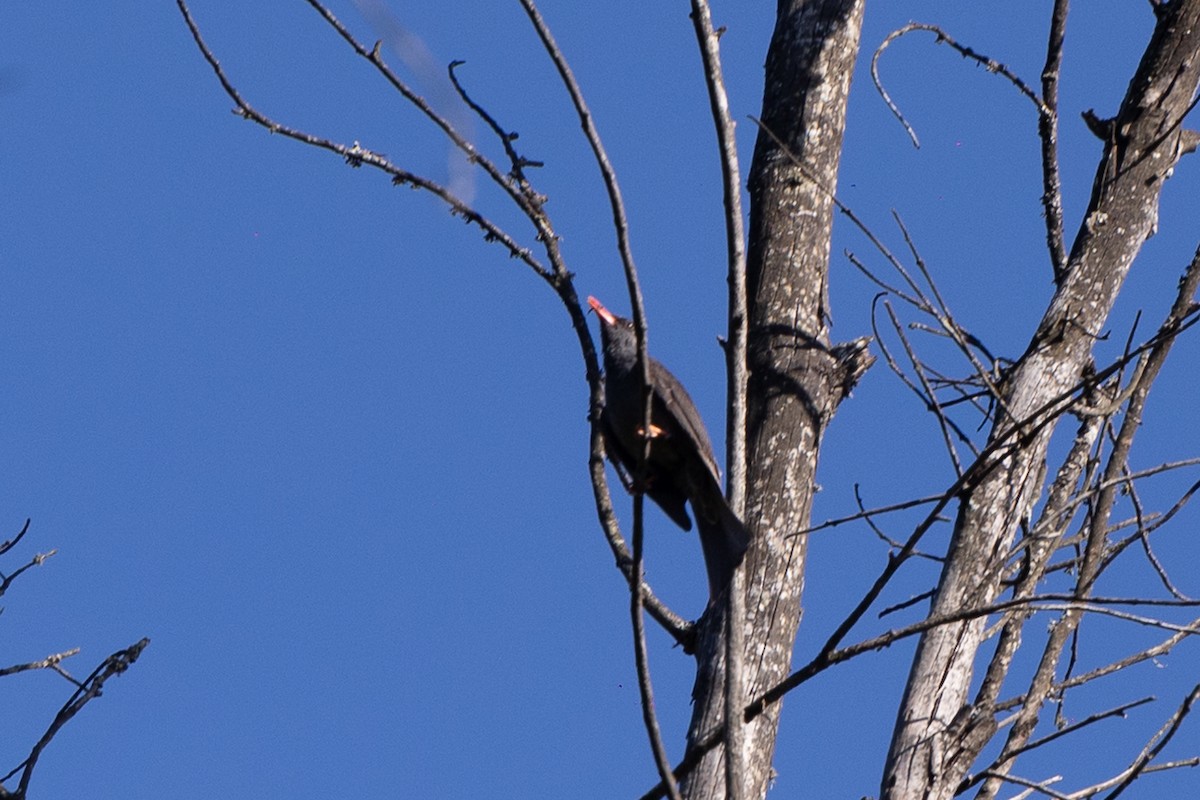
(681,467)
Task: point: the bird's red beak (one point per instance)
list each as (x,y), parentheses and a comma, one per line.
(603,313)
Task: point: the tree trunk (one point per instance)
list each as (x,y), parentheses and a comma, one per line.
(796,378)
(935,740)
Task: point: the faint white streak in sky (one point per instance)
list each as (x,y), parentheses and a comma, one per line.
(432,81)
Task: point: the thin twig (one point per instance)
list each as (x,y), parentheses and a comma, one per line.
(880,282)
(927,394)
(37,560)
(1162,648)
(1159,520)
(946,319)
(642,657)
(1119,711)
(1090,792)
(889,541)
(1143,536)
(11,543)
(375,57)
(899,372)
(870,512)
(909,603)
(1042,787)
(518,162)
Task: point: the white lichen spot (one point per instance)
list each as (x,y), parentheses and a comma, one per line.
(1096,220)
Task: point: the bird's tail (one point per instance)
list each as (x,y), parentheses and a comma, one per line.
(723,538)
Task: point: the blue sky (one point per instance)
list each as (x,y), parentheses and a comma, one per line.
(327,448)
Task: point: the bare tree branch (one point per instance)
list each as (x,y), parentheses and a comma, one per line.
(1052,201)
(356,156)
(37,560)
(990,64)
(49,662)
(871,512)
(1046,602)
(89,689)
(1156,744)
(998,770)
(642,657)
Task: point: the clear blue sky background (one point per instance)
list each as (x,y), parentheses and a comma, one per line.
(327,448)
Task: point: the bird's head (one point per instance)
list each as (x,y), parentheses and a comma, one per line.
(617,336)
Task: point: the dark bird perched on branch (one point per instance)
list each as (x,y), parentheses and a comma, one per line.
(681,467)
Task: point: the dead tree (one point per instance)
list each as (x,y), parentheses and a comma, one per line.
(1031,538)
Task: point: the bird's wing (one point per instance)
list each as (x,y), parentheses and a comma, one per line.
(679,405)
(663,492)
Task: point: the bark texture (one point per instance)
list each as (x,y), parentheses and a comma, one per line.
(937,731)
(796,378)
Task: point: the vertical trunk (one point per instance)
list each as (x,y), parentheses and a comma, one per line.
(934,743)
(796,379)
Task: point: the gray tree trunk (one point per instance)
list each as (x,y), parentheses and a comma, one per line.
(796,378)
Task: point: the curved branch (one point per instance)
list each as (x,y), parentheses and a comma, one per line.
(990,64)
